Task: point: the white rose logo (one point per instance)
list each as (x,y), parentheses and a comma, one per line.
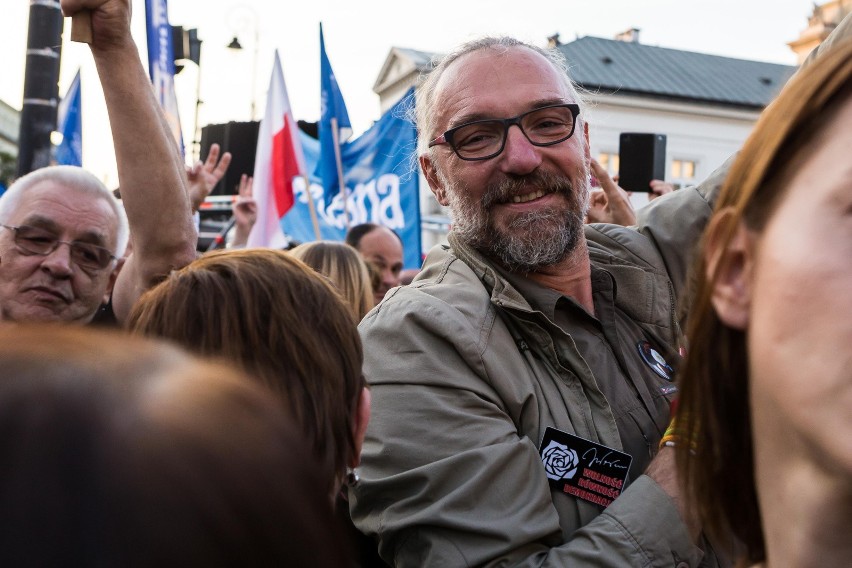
(560,462)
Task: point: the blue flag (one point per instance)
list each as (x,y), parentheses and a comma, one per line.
(382,182)
(161,63)
(70,125)
(333,110)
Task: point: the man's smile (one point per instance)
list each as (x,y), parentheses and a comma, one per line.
(528,196)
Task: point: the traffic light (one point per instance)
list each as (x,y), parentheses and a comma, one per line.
(186,46)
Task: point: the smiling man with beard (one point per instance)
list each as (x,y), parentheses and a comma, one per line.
(531,239)
(532,356)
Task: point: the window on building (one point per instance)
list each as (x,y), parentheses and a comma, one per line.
(683,173)
(609,162)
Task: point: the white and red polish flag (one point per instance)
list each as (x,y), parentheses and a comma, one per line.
(279,159)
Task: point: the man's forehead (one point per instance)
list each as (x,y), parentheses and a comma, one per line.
(381,242)
(53,206)
(497,83)
(54,192)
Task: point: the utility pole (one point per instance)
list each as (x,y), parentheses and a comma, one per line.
(41,85)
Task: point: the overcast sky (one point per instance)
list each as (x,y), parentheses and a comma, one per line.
(359,36)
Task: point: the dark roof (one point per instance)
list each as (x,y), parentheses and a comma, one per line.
(629,68)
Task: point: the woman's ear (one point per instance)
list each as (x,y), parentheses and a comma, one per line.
(362,418)
(731,264)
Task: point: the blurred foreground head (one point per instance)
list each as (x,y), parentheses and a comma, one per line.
(121,451)
(286,326)
(766,389)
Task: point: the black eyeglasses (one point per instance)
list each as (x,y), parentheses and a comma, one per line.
(33,240)
(484,139)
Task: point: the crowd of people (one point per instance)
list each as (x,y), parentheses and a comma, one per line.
(565,382)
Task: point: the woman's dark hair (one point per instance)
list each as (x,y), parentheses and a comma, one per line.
(282,323)
(717,468)
(123,451)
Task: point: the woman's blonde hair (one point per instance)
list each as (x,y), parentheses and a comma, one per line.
(344,266)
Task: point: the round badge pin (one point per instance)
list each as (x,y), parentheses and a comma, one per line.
(654,360)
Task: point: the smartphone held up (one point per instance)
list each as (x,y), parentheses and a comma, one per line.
(642,158)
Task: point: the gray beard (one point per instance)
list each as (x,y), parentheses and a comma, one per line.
(530,241)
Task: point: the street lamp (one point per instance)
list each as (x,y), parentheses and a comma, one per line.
(237,46)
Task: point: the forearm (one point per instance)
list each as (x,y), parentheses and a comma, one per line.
(241,235)
(150,169)
(643,527)
(662,471)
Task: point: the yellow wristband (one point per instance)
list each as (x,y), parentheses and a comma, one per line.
(669,441)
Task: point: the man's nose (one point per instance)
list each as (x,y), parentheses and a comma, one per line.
(519,155)
(58,262)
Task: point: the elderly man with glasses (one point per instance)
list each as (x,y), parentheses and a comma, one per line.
(62,233)
(522,384)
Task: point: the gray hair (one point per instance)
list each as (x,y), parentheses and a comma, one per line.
(426,92)
(72,178)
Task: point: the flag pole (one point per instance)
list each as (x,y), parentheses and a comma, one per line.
(336,135)
(312,208)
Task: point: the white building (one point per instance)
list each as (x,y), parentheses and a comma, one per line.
(10,122)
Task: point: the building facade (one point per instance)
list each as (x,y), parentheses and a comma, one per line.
(822,22)
(10,123)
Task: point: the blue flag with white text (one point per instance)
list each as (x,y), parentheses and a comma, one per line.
(334,126)
(161,63)
(70,124)
(381,180)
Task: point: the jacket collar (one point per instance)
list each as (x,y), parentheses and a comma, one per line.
(502,293)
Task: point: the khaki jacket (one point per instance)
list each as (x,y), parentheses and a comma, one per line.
(466,375)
